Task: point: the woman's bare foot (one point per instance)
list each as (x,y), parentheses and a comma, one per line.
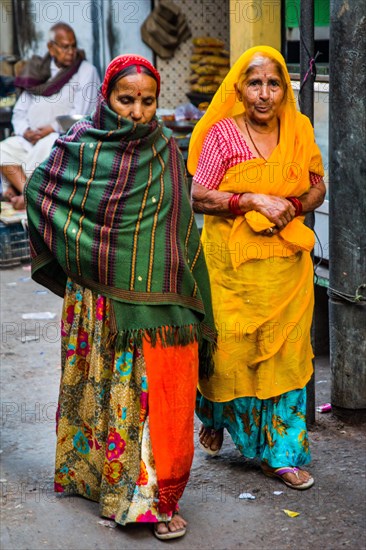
(302,477)
(292,477)
(174,528)
(211,440)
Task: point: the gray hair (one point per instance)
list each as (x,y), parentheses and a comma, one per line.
(257,61)
(59,27)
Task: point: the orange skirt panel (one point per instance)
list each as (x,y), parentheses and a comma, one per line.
(172,374)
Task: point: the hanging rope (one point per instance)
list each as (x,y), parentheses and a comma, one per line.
(311,71)
(359,297)
(356,298)
(311,66)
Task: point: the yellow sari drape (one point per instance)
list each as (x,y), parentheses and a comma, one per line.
(262,287)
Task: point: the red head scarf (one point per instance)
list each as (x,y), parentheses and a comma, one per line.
(123,61)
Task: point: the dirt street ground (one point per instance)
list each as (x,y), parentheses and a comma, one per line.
(331,514)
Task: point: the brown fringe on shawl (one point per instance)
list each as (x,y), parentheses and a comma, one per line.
(167,336)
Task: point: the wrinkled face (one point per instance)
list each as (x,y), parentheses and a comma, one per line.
(63,48)
(262,92)
(134,97)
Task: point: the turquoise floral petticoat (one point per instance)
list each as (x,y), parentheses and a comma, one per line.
(273,430)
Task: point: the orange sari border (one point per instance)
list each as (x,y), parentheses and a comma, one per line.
(172,374)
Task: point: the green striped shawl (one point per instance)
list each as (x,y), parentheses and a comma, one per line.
(110,209)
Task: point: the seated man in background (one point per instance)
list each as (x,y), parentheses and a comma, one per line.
(61,83)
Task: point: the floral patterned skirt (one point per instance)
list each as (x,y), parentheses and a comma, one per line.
(104,447)
(273,430)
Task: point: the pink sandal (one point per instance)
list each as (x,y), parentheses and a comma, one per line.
(279,472)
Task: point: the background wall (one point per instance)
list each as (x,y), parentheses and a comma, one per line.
(253,24)
(103,28)
(106,28)
(204,17)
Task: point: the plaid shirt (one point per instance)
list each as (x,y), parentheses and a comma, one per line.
(223,148)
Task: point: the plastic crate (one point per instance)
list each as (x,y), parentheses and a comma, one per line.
(14,244)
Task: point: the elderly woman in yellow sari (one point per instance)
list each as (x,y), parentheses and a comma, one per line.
(257,171)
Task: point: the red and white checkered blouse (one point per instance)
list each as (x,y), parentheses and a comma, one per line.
(223,148)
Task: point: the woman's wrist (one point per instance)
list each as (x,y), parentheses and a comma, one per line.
(240,203)
(297,204)
(249,202)
(234,204)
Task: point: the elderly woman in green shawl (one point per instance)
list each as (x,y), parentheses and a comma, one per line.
(113,233)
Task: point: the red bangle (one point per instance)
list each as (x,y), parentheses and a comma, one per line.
(296,204)
(234,204)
